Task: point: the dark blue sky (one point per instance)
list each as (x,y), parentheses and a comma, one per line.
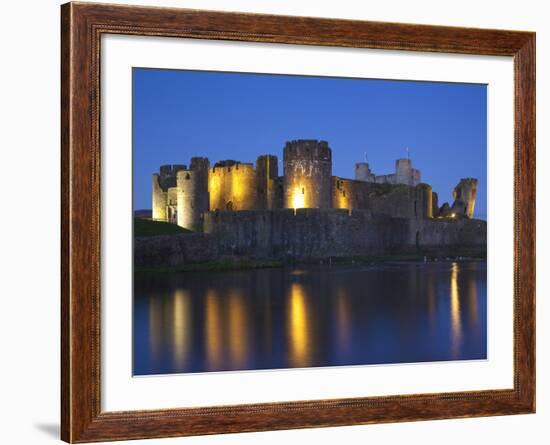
(180,114)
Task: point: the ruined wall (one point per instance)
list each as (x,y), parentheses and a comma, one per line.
(404,174)
(268,191)
(320,233)
(399,201)
(350,194)
(464,195)
(232,186)
(402,201)
(307,174)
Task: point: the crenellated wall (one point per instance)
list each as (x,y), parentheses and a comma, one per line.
(183,195)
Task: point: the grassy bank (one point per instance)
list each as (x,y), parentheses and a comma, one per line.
(148,227)
(236,263)
(218,265)
(413,257)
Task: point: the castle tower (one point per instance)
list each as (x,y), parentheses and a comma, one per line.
(423,201)
(161,183)
(201,166)
(159,200)
(363,172)
(192,199)
(464,195)
(232,186)
(267,172)
(307,174)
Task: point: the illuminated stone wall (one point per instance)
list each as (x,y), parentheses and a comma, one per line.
(396,200)
(350,194)
(232,186)
(402,201)
(162,181)
(172,205)
(159,199)
(192,199)
(464,195)
(307,174)
(269,190)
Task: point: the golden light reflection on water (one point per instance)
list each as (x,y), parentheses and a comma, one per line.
(472,302)
(343,320)
(155,327)
(238,331)
(181,327)
(456,328)
(298,326)
(213,330)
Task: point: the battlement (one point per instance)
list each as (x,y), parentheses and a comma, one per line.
(228,166)
(306,185)
(311,149)
(167,175)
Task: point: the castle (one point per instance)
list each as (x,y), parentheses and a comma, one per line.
(185,195)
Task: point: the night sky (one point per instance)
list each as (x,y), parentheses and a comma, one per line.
(180,114)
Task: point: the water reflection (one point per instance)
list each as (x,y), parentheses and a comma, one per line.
(455,311)
(181,322)
(299,327)
(313,316)
(213,330)
(238,330)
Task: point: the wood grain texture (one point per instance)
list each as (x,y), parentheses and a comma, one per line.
(81,28)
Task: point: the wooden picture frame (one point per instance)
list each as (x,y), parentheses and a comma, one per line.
(82,25)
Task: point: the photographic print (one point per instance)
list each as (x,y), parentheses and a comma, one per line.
(287,221)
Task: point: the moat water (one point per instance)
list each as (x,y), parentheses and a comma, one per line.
(309,316)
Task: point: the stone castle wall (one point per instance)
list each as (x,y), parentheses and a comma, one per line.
(232,187)
(320,233)
(308,234)
(268,186)
(307,174)
(399,201)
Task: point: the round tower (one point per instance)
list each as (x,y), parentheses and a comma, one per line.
(403,171)
(307,174)
(192,199)
(159,199)
(363,172)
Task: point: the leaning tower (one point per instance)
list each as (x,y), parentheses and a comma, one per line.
(307,174)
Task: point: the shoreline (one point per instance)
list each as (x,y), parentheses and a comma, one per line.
(246,263)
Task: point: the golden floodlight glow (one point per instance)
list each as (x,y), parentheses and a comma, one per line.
(456,328)
(298,326)
(298,198)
